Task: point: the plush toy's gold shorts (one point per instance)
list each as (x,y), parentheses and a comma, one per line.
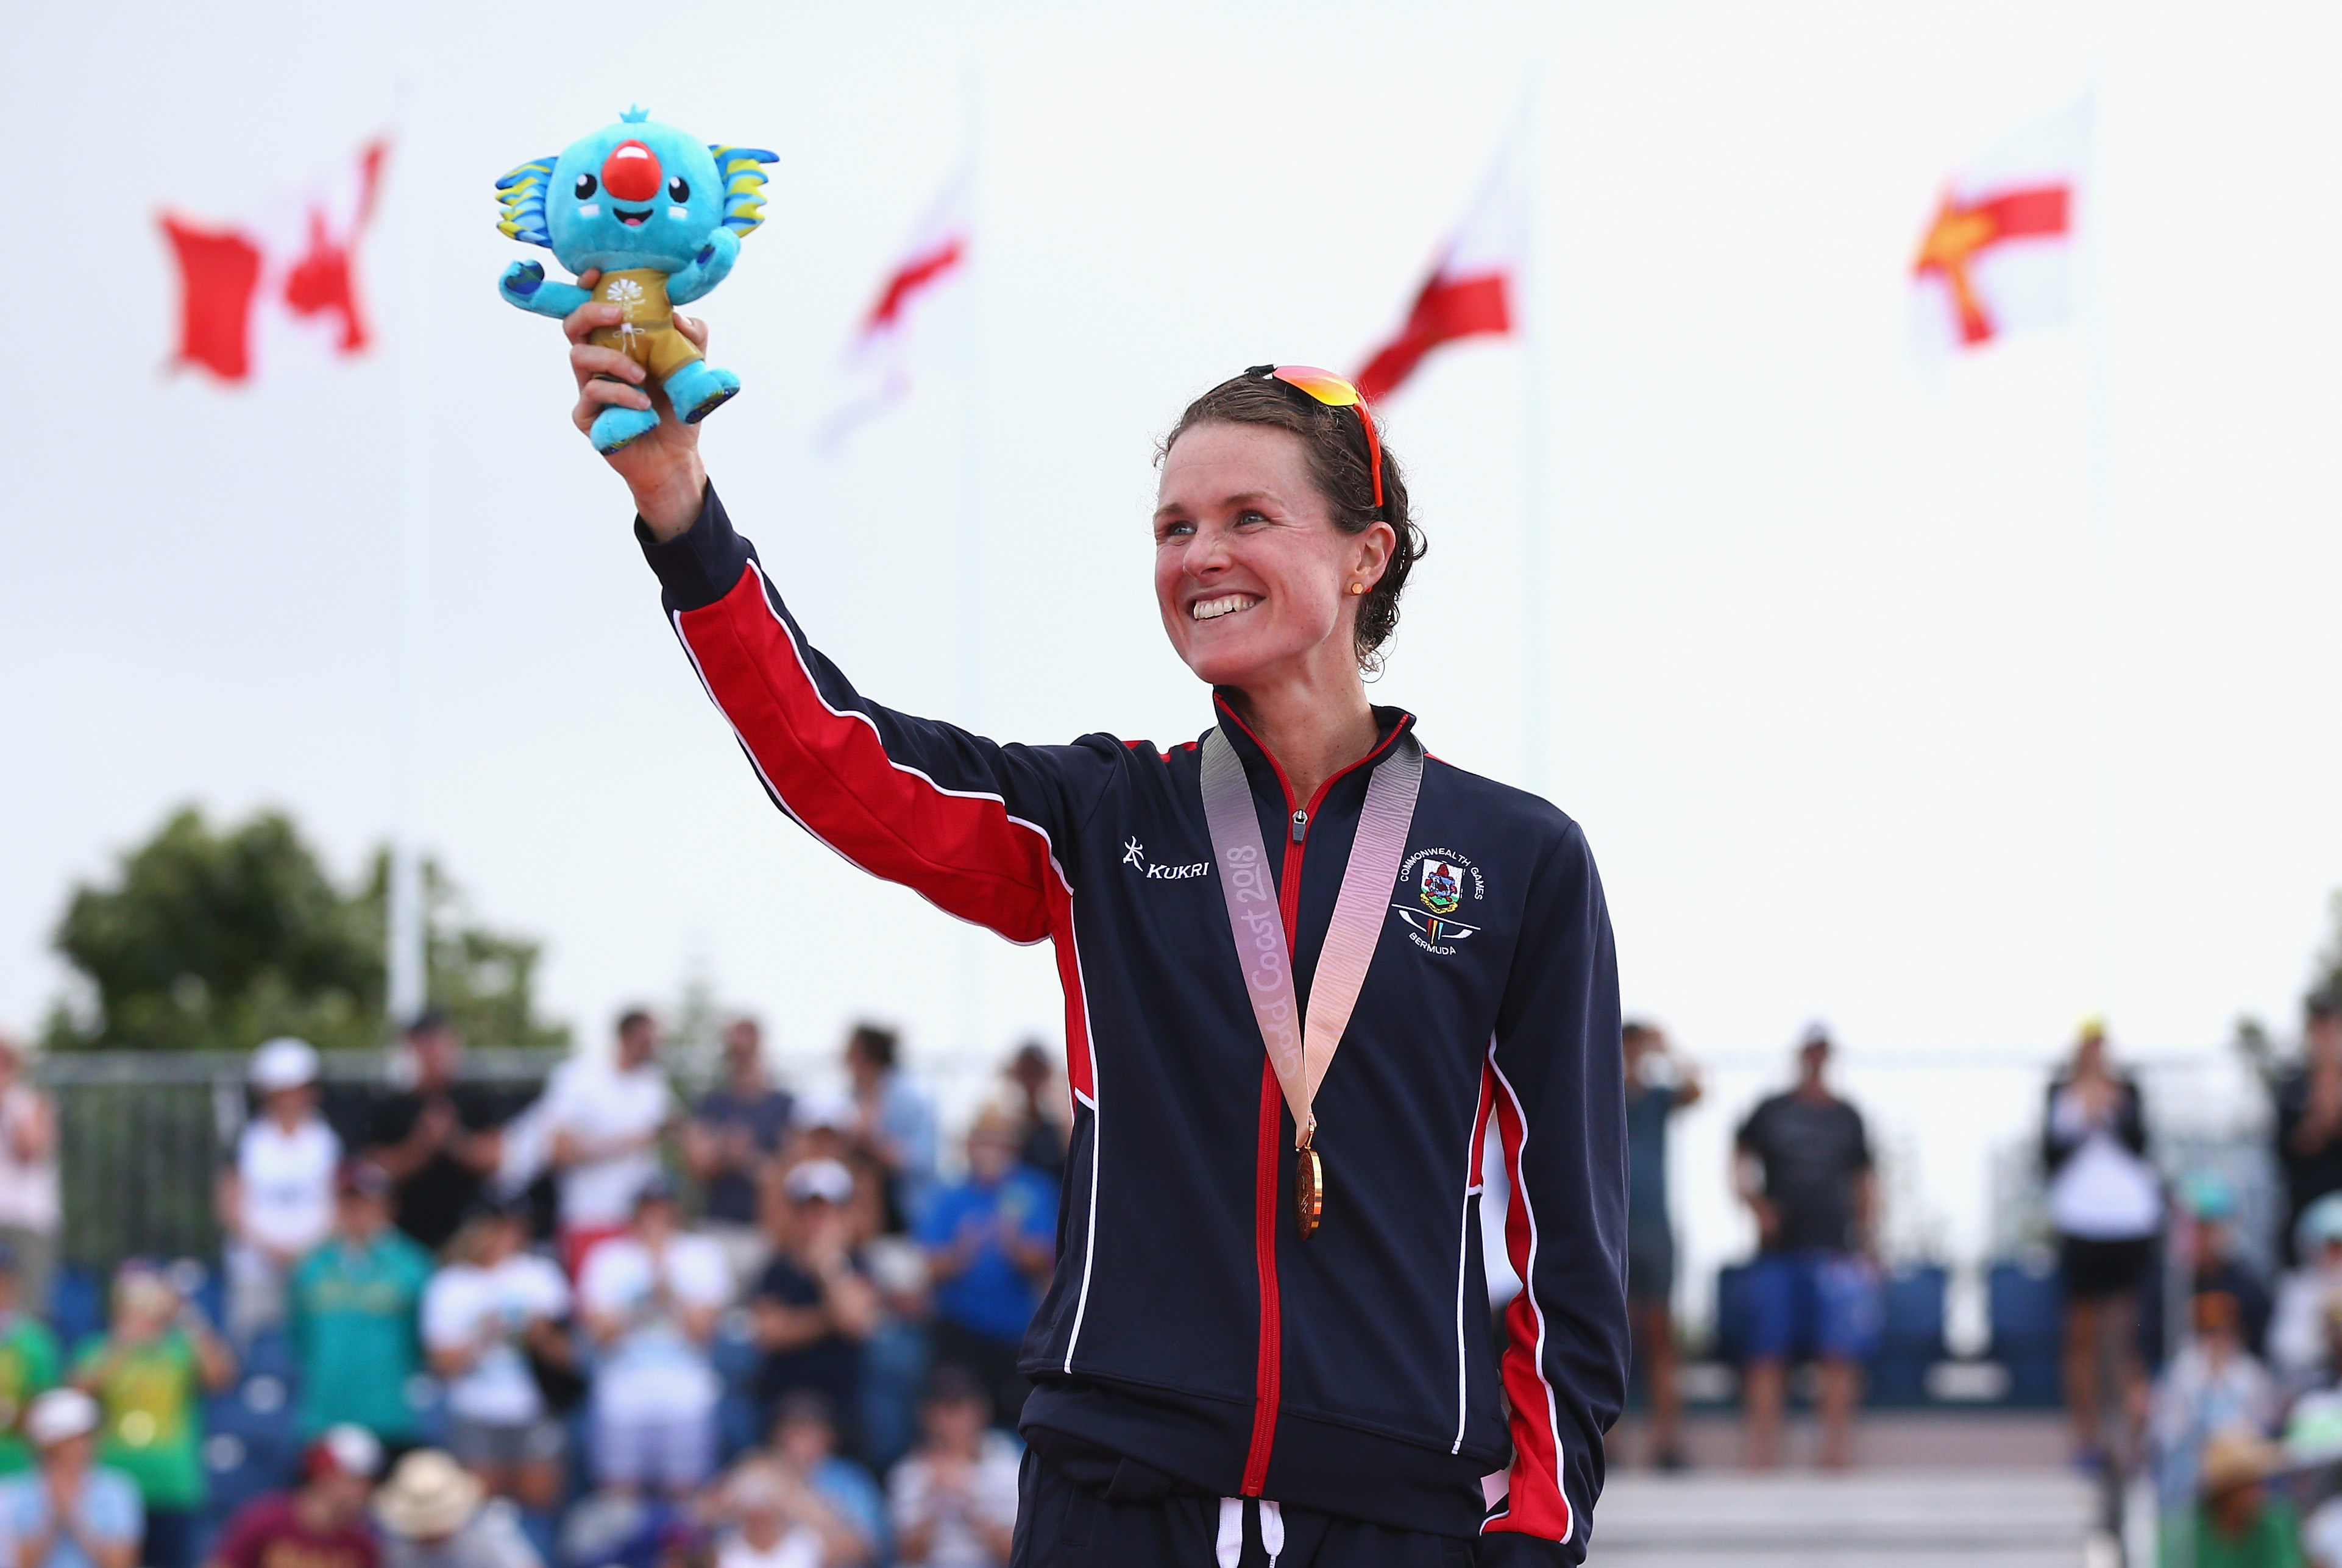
(647,335)
(656,346)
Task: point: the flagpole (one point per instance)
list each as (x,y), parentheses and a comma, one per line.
(409,981)
(1536,603)
(969,587)
(2099,436)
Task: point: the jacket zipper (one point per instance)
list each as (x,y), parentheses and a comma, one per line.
(1268,1378)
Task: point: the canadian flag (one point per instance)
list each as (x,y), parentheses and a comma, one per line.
(1475,287)
(906,322)
(1998,256)
(284,280)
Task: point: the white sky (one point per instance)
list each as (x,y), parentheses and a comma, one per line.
(1820,625)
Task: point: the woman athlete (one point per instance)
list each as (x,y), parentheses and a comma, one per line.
(1304,963)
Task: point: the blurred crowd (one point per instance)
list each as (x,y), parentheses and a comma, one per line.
(2215,1376)
(2204,1361)
(606,1326)
(610,1326)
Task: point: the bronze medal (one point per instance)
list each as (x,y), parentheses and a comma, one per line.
(1301,1042)
(1309,1190)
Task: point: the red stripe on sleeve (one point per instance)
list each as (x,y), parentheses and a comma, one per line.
(960,850)
(1081,1062)
(1537,1504)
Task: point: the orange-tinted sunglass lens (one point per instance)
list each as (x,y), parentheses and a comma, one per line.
(1327,387)
(1333,391)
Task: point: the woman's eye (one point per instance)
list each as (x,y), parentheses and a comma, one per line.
(1251,517)
(586,186)
(1177,530)
(678,190)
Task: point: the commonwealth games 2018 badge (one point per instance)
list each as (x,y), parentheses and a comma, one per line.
(1440,888)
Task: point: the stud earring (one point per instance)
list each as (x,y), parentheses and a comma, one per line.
(1357,587)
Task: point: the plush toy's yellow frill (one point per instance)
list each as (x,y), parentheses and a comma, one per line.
(744,184)
(523,194)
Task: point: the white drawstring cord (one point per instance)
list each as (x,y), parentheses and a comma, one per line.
(1229,1548)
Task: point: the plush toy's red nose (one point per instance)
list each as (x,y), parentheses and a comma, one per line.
(631,173)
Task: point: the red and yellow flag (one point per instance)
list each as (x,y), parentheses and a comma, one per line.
(1998,256)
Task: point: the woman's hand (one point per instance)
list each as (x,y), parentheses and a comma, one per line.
(662,467)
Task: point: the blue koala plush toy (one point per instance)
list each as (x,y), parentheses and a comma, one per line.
(662,216)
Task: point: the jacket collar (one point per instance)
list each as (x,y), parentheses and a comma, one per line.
(1260,767)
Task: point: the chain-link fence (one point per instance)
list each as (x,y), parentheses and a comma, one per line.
(142,1136)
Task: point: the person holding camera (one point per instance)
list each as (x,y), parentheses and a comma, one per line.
(1660,1084)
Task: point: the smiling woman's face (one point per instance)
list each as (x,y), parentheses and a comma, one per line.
(1251,575)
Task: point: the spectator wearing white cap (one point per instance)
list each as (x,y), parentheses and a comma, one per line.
(883,1419)
(821,1127)
(322,1522)
(771,1519)
(2297,1333)
(496,1308)
(650,1298)
(277,1200)
(814,1304)
(432,1516)
(149,1373)
(603,1120)
(71,1512)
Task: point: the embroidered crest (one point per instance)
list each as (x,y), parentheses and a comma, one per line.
(1442,883)
(1443,888)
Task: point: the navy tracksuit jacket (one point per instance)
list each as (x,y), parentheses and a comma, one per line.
(1189,1327)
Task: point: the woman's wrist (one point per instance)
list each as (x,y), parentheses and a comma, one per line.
(669,502)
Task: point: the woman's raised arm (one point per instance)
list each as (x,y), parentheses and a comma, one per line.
(661,466)
(980,829)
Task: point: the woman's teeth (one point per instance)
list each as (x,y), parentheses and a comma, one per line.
(1213,609)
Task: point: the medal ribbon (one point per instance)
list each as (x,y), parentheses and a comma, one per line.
(1301,1050)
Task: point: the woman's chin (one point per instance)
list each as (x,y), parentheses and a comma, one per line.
(1240,658)
(1222,666)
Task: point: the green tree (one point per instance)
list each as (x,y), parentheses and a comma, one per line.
(484,980)
(215,940)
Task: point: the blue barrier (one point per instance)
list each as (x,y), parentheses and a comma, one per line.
(76,1305)
(2026,1313)
(1732,1313)
(1910,1334)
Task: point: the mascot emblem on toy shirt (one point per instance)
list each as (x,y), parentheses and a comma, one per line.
(661,216)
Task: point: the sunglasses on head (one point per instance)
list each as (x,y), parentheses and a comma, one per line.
(1333,391)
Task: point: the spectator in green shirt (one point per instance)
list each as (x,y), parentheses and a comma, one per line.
(29,1366)
(355,1308)
(2238,1523)
(149,1371)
